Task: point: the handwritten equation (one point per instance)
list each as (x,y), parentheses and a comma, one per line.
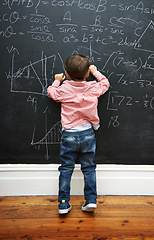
(115,100)
(117,36)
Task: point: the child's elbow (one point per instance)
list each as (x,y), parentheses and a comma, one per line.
(108,85)
(48,94)
(49,91)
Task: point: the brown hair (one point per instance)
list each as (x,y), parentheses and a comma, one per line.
(77,66)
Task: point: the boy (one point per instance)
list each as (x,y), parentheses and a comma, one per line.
(79,116)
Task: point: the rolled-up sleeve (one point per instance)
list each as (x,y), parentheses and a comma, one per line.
(103,83)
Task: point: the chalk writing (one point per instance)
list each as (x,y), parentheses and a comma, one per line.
(114,121)
(98,7)
(149,31)
(40,32)
(53,136)
(26,3)
(27,73)
(115,100)
(140,8)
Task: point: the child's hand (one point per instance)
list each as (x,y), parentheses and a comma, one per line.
(60,77)
(92,69)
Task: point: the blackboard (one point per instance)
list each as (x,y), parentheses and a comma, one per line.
(37,36)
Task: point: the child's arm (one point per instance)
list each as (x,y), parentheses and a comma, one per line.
(103,83)
(53,90)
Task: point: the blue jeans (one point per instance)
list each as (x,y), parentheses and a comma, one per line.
(79,145)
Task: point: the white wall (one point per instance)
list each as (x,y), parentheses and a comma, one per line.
(22,180)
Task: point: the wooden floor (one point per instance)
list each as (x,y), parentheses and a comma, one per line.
(117,217)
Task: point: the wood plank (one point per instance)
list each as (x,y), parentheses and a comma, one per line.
(81,236)
(67,226)
(33,200)
(52,211)
(77,200)
(83,224)
(77,235)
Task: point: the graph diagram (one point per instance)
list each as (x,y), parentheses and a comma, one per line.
(53,136)
(33,78)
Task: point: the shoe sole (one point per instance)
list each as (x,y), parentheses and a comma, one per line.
(64,211)
(89,207)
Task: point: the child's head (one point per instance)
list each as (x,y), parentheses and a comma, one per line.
(77,67)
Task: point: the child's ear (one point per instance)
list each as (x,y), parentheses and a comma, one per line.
(67,75)
(87,74)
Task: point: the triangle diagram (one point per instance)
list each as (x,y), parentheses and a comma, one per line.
(145,41)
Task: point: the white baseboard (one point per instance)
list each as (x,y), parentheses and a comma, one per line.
(24,180)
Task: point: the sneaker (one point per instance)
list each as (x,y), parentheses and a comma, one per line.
(64,207)
(89,206)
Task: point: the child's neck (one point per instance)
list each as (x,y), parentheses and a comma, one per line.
(78,80)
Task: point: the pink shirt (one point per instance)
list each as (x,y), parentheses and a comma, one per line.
(79,100)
